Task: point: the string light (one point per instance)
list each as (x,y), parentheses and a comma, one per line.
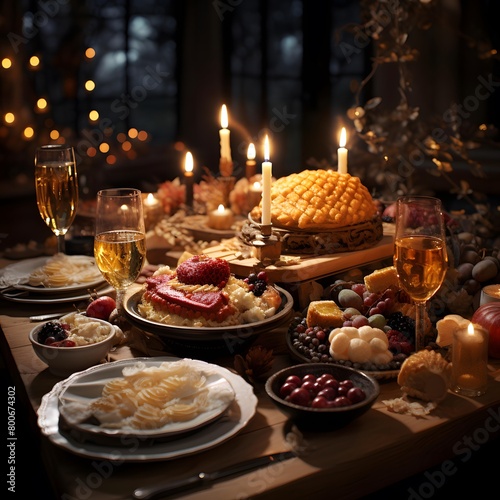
(34,61)
(104,147)
(93,116)
(6,63)
(41,104)
(132,133)
(9,118)
(90,53)
(89,85)
(28,132)
(54,135)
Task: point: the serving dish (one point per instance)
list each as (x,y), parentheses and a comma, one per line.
(301,358)
(323,419)
(237,416)
(229,338)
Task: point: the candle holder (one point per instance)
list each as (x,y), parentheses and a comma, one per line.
(227,185)
(225,167)
(267,245)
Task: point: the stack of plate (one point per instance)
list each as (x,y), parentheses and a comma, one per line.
(170,441)
(14,279)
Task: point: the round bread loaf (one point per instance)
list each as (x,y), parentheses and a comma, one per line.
(318,199)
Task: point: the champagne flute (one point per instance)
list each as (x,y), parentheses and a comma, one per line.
(120,238)
(56,187)
(420,254)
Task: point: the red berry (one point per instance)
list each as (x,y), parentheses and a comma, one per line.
(341,401)
(300,397)
(356,394)
(286,389)
(319,402)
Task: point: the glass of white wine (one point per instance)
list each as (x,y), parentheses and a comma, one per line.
(56,185)
(120,238)
(420,255)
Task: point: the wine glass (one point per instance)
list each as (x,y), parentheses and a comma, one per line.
(120,238)
(56,187)
(420,254)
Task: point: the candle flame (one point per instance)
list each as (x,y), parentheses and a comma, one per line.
(470,329)
(256,186)
(224,121)
(188,164)
(266,148)
(221,208)
(251,153)
(343,138)
(150,199)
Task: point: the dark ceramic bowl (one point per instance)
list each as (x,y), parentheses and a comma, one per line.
(323,419)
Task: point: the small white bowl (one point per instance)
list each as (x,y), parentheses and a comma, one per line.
(63,361)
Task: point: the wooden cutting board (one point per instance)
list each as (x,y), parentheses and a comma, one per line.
(308,268)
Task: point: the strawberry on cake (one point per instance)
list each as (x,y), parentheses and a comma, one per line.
(203,292)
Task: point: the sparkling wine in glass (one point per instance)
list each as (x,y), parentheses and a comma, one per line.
(56,185)
(420,254)
(120,238)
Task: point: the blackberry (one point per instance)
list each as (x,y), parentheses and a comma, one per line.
(52,329)
(403,324)
(257,283)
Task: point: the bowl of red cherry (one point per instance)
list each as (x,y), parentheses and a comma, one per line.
(322,396)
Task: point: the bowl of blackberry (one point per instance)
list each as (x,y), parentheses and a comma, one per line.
(360,313)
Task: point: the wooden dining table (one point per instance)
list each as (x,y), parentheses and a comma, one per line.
(370,453)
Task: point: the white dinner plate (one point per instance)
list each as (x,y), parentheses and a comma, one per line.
(24,296)
(86,387)
(135,448)
(18,274)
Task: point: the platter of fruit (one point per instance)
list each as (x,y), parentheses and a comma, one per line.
(367,326)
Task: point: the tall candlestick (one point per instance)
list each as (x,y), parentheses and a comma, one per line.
(225,163)
(189,178)
(470,360)
(342,153)
(250,164)
(267,172)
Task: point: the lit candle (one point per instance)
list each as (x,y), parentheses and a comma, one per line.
(222,218)
(189,178)
(250,165)
(225,147)
(469,361)
(153,210)
(342,153)
(267,172)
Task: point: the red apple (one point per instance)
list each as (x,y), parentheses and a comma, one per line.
(488,316)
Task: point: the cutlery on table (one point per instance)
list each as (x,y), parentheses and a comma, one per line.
(45,317)
(205,478)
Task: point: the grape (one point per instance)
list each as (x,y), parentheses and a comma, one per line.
(377,321)
(349,312)
(328,393)
(300,396)
(356,394)
(319,402)
(287,388)
(359,321)
(359,288)
(341,401)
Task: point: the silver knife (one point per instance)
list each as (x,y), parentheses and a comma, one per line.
(205,478)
